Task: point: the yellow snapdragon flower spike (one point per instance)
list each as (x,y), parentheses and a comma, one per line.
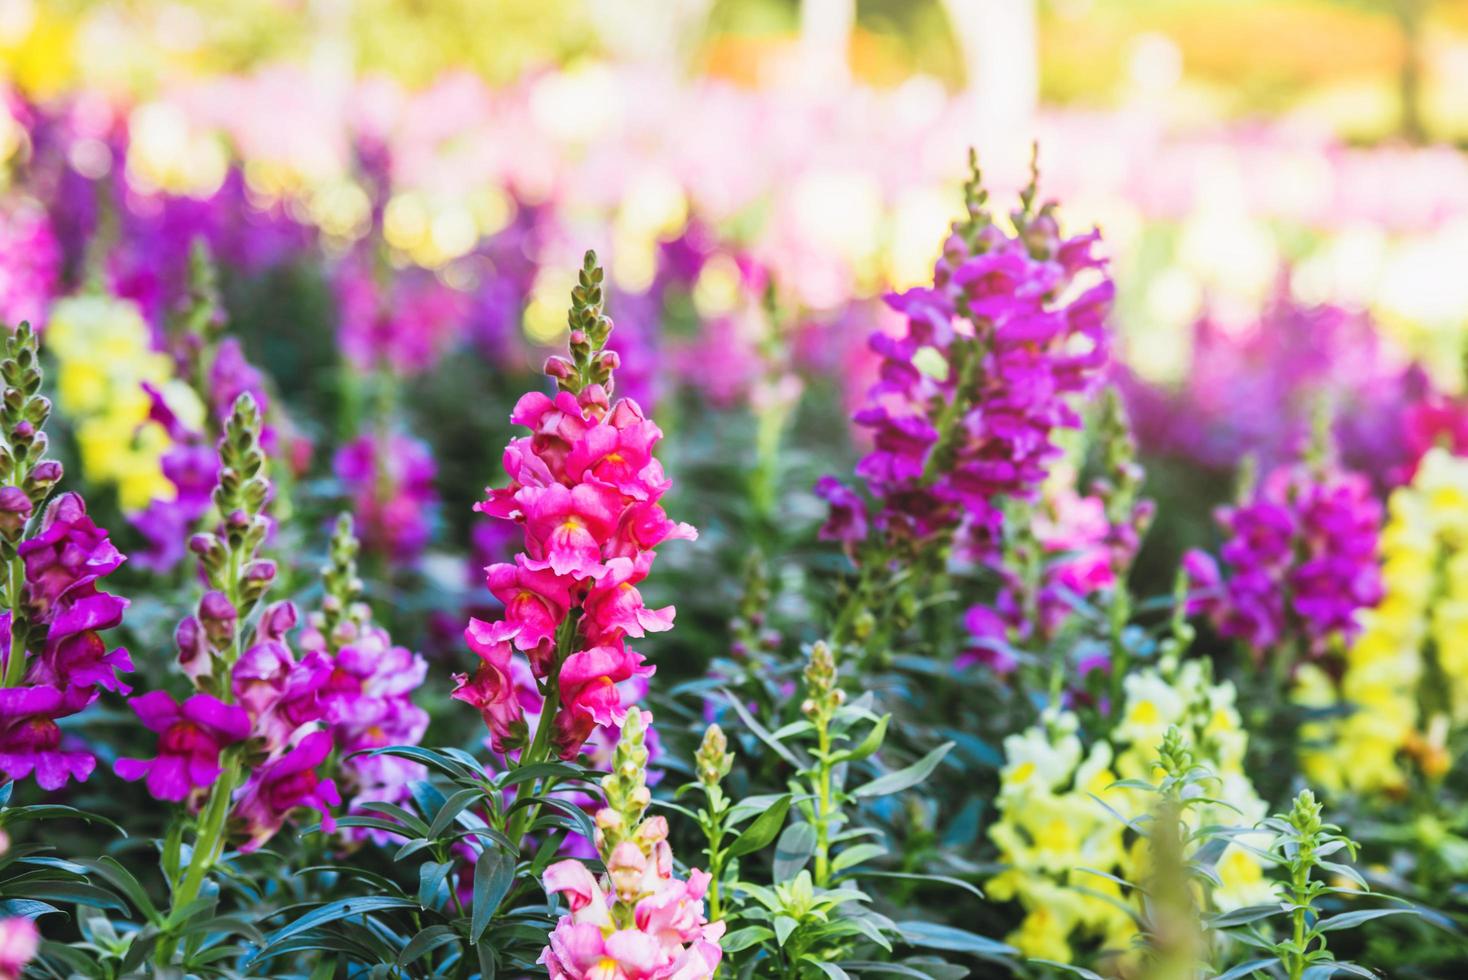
(1418,631)
(1051,829)
(104,355)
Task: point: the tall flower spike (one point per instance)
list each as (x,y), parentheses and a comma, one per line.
(238,578)
(54,660)
(996,354)
(584,487)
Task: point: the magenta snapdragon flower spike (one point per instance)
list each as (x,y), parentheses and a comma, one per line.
(1300,560)
(996,353)
(584,488)
(190,738)
(284,784)
(30,741)
(55,661)
(219,372)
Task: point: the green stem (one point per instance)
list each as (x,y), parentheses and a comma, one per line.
(1300,884)
(208,846)
(823,803)
(15,662)
(539,748)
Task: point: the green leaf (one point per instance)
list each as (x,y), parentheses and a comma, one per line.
(1348,919)
(494,872)
(932,935)
(759,730)
(762,830)
(324,969)
(868,746)
(967,886)
(856,854)
(784,926)
(1079,971)
(122,879)
(1244,969)
(436,761)
(541,770)
(431,875)
(794,850)
(742,939)
(29,908)
(425,942)
(74,893)
(829,969)
(404,816)
(896,782)
(1244,915)
(451,809)
(333,911)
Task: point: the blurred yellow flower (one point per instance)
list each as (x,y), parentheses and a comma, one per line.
(104,355)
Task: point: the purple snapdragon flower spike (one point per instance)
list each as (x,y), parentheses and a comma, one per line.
(1301,560)
(996,351)
(190,738)
(66,557)
(283,784)
(30,741)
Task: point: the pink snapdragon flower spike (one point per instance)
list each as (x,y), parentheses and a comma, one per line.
(638,921)
(285,784)
(584,488)
(190,738)
(995,356)
(1300,559)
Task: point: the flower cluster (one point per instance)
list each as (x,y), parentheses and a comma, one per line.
(1073,548)
(969,397)
(256,701)
(1301,561)
(55,662)
(585,488)
(639,921)
(1050,827)
(391,483)
(1393,725)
